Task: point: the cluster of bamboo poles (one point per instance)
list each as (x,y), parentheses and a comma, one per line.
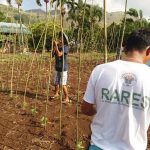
(39,65)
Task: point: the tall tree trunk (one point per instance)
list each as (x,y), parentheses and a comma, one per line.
(123,31)
(45,36)
(46,10)
(21,33)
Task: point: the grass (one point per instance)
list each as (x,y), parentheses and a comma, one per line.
(71,57)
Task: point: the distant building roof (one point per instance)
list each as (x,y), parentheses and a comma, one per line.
(13,28)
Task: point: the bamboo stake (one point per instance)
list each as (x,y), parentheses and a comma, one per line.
(105,32)
(49,71)
(12,71)
(62,74)
(79,79)
(30,68)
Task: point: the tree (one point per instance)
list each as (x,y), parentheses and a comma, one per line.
(38,2)
(18,2)
(2,17)
(141,14)
(95,15)
(133,12)
(92,15)
(37,30)
(24,18)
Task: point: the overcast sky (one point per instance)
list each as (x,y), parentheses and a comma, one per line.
(112,5)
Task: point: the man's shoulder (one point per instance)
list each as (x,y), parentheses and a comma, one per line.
(147,69)
(109,64)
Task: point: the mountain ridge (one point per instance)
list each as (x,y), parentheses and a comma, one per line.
(39,14)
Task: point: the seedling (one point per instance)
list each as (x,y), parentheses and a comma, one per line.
(44,121)
(24,105)
(80,145)
(58,137)
(33,110)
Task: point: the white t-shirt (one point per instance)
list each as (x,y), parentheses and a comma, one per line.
(121,92)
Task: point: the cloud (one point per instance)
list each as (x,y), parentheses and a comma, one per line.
(3,2)
(118,5)
(112,5)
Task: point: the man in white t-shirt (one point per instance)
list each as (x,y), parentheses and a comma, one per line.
(120,90)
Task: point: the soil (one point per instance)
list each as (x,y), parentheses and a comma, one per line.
(21,129)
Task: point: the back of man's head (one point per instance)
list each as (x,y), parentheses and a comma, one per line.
(138,40)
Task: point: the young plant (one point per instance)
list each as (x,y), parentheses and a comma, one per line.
(24,105)
(33,110)
(44,121)
(80,145)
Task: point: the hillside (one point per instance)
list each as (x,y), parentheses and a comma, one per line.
(42,12)
(36,11)
(27,17)
(114,17)
(35,15)
(111,17)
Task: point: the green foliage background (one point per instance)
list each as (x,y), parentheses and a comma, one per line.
(38,29)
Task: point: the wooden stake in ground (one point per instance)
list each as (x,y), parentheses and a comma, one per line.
(78,142)
(30,68)
(105,33)
(62,12)
(12,70)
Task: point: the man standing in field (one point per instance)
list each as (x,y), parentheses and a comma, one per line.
(60,51)
(121,92)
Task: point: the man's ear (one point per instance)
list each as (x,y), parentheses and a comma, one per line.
(148,51)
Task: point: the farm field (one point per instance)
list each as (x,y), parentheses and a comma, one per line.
(21,125)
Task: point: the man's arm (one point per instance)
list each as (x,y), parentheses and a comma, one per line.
(88,109)
(89,96)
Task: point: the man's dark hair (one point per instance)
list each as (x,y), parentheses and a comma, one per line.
(138,40)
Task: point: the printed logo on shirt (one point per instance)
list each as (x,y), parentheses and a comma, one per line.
(126,98)
(128,79)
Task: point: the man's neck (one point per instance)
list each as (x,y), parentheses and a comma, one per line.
(134,58)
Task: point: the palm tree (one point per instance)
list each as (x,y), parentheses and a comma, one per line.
(18,2)
(95,15)
(141,14)
(9,2)
(38,2)
(81,6)
(133,12)
(46,2)
(119,51)
(141,17)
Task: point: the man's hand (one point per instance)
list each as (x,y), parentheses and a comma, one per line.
(55,43)
(88,109)
(56,50)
